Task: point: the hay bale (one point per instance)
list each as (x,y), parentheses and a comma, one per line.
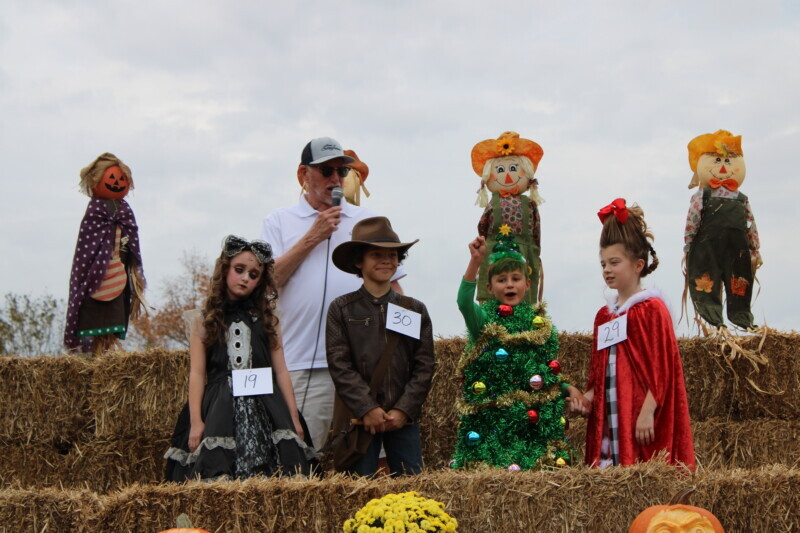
(34,465)
(578,499)
(45,398)
(105,465)
(439,419)
(138,394)
(569,499)
(747,444)
(781,374)
(98,465)
(765,499)
(46,510)
(718,443)
(708,386)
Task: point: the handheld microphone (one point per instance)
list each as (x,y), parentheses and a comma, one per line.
(336,196)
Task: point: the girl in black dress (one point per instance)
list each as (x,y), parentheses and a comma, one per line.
(219,435)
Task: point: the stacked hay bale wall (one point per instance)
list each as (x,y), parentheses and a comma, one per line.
(578,499)
(103,424)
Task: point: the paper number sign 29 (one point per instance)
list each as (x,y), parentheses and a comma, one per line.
(403,321)
(252,381)
(612,332)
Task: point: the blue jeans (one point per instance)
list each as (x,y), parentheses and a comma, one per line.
(403,452)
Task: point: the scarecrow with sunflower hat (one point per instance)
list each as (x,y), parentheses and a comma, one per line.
(722,245)
(506,166)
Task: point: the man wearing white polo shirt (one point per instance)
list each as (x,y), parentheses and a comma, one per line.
(302,238)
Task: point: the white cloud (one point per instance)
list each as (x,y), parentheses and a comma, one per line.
(211,105)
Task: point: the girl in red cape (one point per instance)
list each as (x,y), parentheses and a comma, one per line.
(635,397)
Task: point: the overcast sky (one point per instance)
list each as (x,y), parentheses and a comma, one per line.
(210,104)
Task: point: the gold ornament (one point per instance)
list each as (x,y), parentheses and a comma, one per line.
(479,387)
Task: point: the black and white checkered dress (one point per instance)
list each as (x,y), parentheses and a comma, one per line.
(609,449)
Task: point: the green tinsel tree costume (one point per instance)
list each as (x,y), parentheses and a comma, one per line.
(512,405)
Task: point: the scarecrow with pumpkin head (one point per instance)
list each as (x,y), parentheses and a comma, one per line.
(107,280)
(506,166)
(721,236)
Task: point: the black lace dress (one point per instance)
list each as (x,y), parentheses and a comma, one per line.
(244,436)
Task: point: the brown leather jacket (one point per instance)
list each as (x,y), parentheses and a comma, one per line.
(355,339)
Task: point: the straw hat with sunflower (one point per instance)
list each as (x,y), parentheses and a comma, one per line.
(508,149)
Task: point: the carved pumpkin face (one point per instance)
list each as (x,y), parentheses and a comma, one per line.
(113,185)
(720,167)
(676,519)
(508,176)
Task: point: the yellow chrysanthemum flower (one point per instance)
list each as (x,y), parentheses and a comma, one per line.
(401,513)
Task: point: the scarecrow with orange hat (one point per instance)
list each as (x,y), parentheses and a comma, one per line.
(721,236)
(506,166)
(353,183)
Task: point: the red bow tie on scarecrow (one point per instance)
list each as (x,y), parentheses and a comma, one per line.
(729,183)
(617,208)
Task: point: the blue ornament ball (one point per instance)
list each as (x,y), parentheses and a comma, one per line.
(501,355)
(473,437)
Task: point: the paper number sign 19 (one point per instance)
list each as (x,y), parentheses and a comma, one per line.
(252,381)
(403,321)
(612,332)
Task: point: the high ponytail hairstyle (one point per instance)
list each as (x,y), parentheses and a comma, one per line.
(626,226)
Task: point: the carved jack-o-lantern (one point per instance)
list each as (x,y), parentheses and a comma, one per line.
(676,517)
(113,185)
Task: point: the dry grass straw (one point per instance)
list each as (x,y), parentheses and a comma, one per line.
(781,375)
(718,443)
(98,465)
(577,499)
(135,394)
(105,465)
(138,394)
(43,398)
(46,510)
(439,418)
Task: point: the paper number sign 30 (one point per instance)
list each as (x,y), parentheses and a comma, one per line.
(252,381)
(403,321)
(612,332)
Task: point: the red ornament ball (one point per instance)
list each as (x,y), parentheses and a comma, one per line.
(533,416)
(555,367)
(504,310)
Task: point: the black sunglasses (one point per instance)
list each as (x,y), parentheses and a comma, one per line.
(327,170)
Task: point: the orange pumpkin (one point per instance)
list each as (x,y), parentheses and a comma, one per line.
(676,518)
(184,526)
(113,185)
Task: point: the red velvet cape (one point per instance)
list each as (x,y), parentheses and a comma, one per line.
(647,359)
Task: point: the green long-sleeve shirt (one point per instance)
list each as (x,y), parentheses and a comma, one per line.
(474,315)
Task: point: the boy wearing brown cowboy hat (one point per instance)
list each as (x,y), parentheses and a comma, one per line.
(379,347)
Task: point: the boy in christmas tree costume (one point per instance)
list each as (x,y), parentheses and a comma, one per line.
(512,403)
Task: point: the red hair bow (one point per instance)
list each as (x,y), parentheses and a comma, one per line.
(617,208)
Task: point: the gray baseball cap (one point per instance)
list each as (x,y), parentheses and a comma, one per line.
(323,149)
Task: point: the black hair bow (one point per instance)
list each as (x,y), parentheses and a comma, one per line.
(235,245)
